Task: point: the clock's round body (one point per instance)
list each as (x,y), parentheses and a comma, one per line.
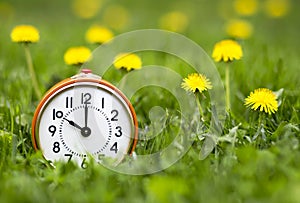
(84,116)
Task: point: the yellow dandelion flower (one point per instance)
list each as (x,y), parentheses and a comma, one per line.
(262,99)
(116,16)
(196,82)
(277,8)
(98,34)
(227,50)
(86,9)
(77,55)
(25,34)
(128,61)
(175,21)
(240,29)
(246,7)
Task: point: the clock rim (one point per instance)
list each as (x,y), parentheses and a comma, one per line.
(69,81)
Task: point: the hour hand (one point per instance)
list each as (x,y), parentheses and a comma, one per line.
(72,123)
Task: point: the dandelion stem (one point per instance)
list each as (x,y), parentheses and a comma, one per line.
(227,83)
(261,119)
(14,148)
(197,95)
(259,136)
(32,72)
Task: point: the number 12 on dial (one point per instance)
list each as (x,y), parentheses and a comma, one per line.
(84,116)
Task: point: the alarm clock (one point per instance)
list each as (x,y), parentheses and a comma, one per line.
(84,116)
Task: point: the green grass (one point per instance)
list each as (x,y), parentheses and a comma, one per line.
(239,169)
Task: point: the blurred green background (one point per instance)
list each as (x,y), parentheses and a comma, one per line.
(240,173)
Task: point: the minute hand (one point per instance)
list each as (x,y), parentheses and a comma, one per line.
(73,124)
(85,115)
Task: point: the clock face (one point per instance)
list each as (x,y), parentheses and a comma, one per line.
(85,119)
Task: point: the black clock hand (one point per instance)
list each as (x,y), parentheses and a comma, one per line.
(85,115)
(85,131)
(73,124)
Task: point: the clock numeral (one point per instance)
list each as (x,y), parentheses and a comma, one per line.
(52,129)
(69,102)
(119,132)
(114,147)
(56,148)
(85,98)
(114,114)
(57,114)
(69,157)
(84,164)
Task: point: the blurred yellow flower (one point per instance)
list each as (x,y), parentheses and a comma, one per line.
(116,16)
(128,61)
(86,9)
(262,99)
(246,7)
(25,34)
(227,50)
(175,21)
(196,82)
(98,34)
(277,8)
(239,29)
(28,34)
(77,55)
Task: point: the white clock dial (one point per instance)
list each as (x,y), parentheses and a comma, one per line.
(79,139)
(85,119)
